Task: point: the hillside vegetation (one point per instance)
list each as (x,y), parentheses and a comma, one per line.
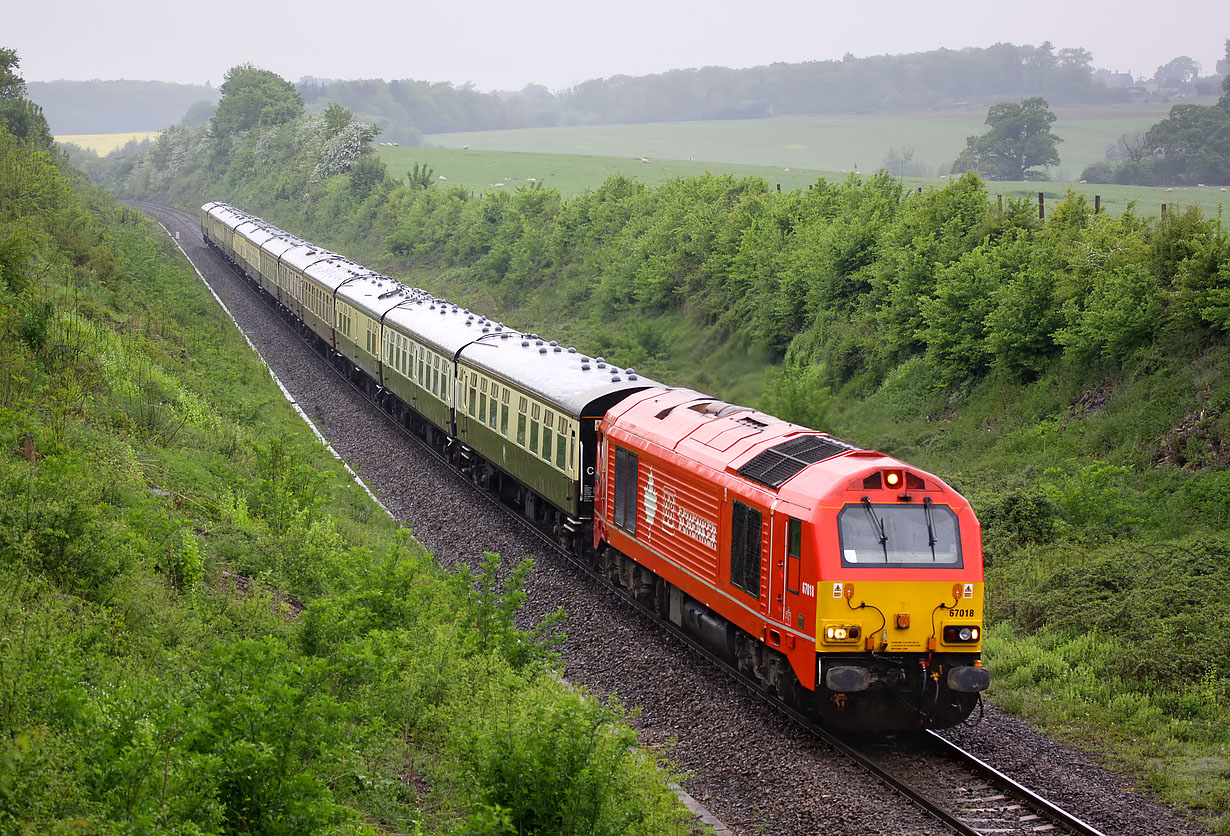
(1069,376)
(205,626)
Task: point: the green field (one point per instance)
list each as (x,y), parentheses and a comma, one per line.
(839,143)
(479,171)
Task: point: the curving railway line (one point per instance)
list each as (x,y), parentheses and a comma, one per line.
(957,791)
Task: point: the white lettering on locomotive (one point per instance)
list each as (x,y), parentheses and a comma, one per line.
(809,590)
(676,518)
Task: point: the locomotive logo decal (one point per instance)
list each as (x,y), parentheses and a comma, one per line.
(676,518)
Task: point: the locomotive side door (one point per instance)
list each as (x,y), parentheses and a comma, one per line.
(777,564)
(787,604)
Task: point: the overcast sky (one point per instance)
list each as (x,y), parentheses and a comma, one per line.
(505,44)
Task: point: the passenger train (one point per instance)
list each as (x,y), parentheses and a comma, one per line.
(846,582)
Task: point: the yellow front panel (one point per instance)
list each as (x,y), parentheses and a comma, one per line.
(898,616)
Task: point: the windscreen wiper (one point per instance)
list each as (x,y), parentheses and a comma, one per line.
(930,527)
(877,525)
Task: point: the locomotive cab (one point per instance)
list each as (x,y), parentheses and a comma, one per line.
(899,595)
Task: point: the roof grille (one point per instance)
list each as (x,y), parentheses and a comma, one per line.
(775,466)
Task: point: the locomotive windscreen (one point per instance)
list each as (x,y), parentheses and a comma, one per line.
(917,535)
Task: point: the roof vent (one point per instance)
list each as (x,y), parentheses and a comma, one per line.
(553,343)
(777,465)
(631,377)
(557,349)
(525,343)
(542,350)
(601,365)
(539,342)
(600,360)
(572,349)
(629,371)
(614,378)
(486,330)
(585,367)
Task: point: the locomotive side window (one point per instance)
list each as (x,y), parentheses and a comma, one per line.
(794,553)
(627,476)
(917,535)
(746,525)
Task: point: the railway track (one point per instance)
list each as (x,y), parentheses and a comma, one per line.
(959,791)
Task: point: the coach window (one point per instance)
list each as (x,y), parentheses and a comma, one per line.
(627,477)
(746,525)
(504,413)
(794,546)
(521,408)
(473,398)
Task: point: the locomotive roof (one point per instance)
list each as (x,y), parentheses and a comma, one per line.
(796,463)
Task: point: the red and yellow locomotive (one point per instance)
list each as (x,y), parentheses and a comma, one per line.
(844,580)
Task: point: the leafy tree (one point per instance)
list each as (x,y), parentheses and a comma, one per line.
(1223,64)
(420,177)
(1177,71)
(254,97)
(337,117)
(18,115)
(1019,139)
(198,114)
(1192,145)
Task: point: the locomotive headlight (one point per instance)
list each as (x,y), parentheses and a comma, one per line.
(892,478)
(842,632)
(961,634)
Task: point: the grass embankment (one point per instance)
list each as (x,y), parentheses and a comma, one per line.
(205,625)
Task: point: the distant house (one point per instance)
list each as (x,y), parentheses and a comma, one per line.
(1119,81)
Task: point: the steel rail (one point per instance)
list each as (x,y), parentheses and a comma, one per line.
(1046,808)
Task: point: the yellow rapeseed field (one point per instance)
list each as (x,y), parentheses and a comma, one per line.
(103,144)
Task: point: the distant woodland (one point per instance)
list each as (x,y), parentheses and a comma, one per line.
(942,77)
(107,107)
(406,109)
